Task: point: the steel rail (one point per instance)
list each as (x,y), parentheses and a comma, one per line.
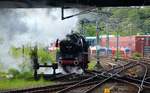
(124,78)
(88,79)
(50,87)
(147,78)
(59,88)
(143,80)
(108,78)
(118,67)
(80,82)
(137,80)
(128,80)
(144,77)
(122,66)
(145,73)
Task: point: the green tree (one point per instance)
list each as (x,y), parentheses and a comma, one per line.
(130,21)
(45,56)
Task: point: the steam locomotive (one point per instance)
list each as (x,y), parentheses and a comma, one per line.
(73,52)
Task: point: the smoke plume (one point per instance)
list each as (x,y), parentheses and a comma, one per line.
(30,26)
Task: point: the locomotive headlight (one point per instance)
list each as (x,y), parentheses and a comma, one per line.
(76,62)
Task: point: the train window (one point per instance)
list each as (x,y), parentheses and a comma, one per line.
(91,42)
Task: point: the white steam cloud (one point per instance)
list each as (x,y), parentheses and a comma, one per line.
(44,25)
(23,26)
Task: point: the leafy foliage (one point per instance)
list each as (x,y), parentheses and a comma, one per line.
(3,75)
(15,52)
(26,72)
(16,74)
(43,54)
(128,21)
(136,55)
(13,72)
(91,65)
(25,75)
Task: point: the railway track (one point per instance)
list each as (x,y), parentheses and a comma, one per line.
(49,88)
(111,75)
(71,77)
(93,80)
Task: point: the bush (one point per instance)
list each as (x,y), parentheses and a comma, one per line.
(13,72)
(25,76)
(136,55)
(3,75)
(20,75)
(45,56)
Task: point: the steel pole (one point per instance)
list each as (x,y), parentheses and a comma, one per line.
(98,65)
(82,28)
(97,42)
(117,45)
(107,41)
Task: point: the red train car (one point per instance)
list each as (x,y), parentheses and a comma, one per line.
(143,45)
(140,44)
(123,42)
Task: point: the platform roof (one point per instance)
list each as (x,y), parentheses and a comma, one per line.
(101,3)
(76,3)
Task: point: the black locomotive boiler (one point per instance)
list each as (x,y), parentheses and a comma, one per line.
(73,52)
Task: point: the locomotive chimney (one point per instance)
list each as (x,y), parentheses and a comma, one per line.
(57,43)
